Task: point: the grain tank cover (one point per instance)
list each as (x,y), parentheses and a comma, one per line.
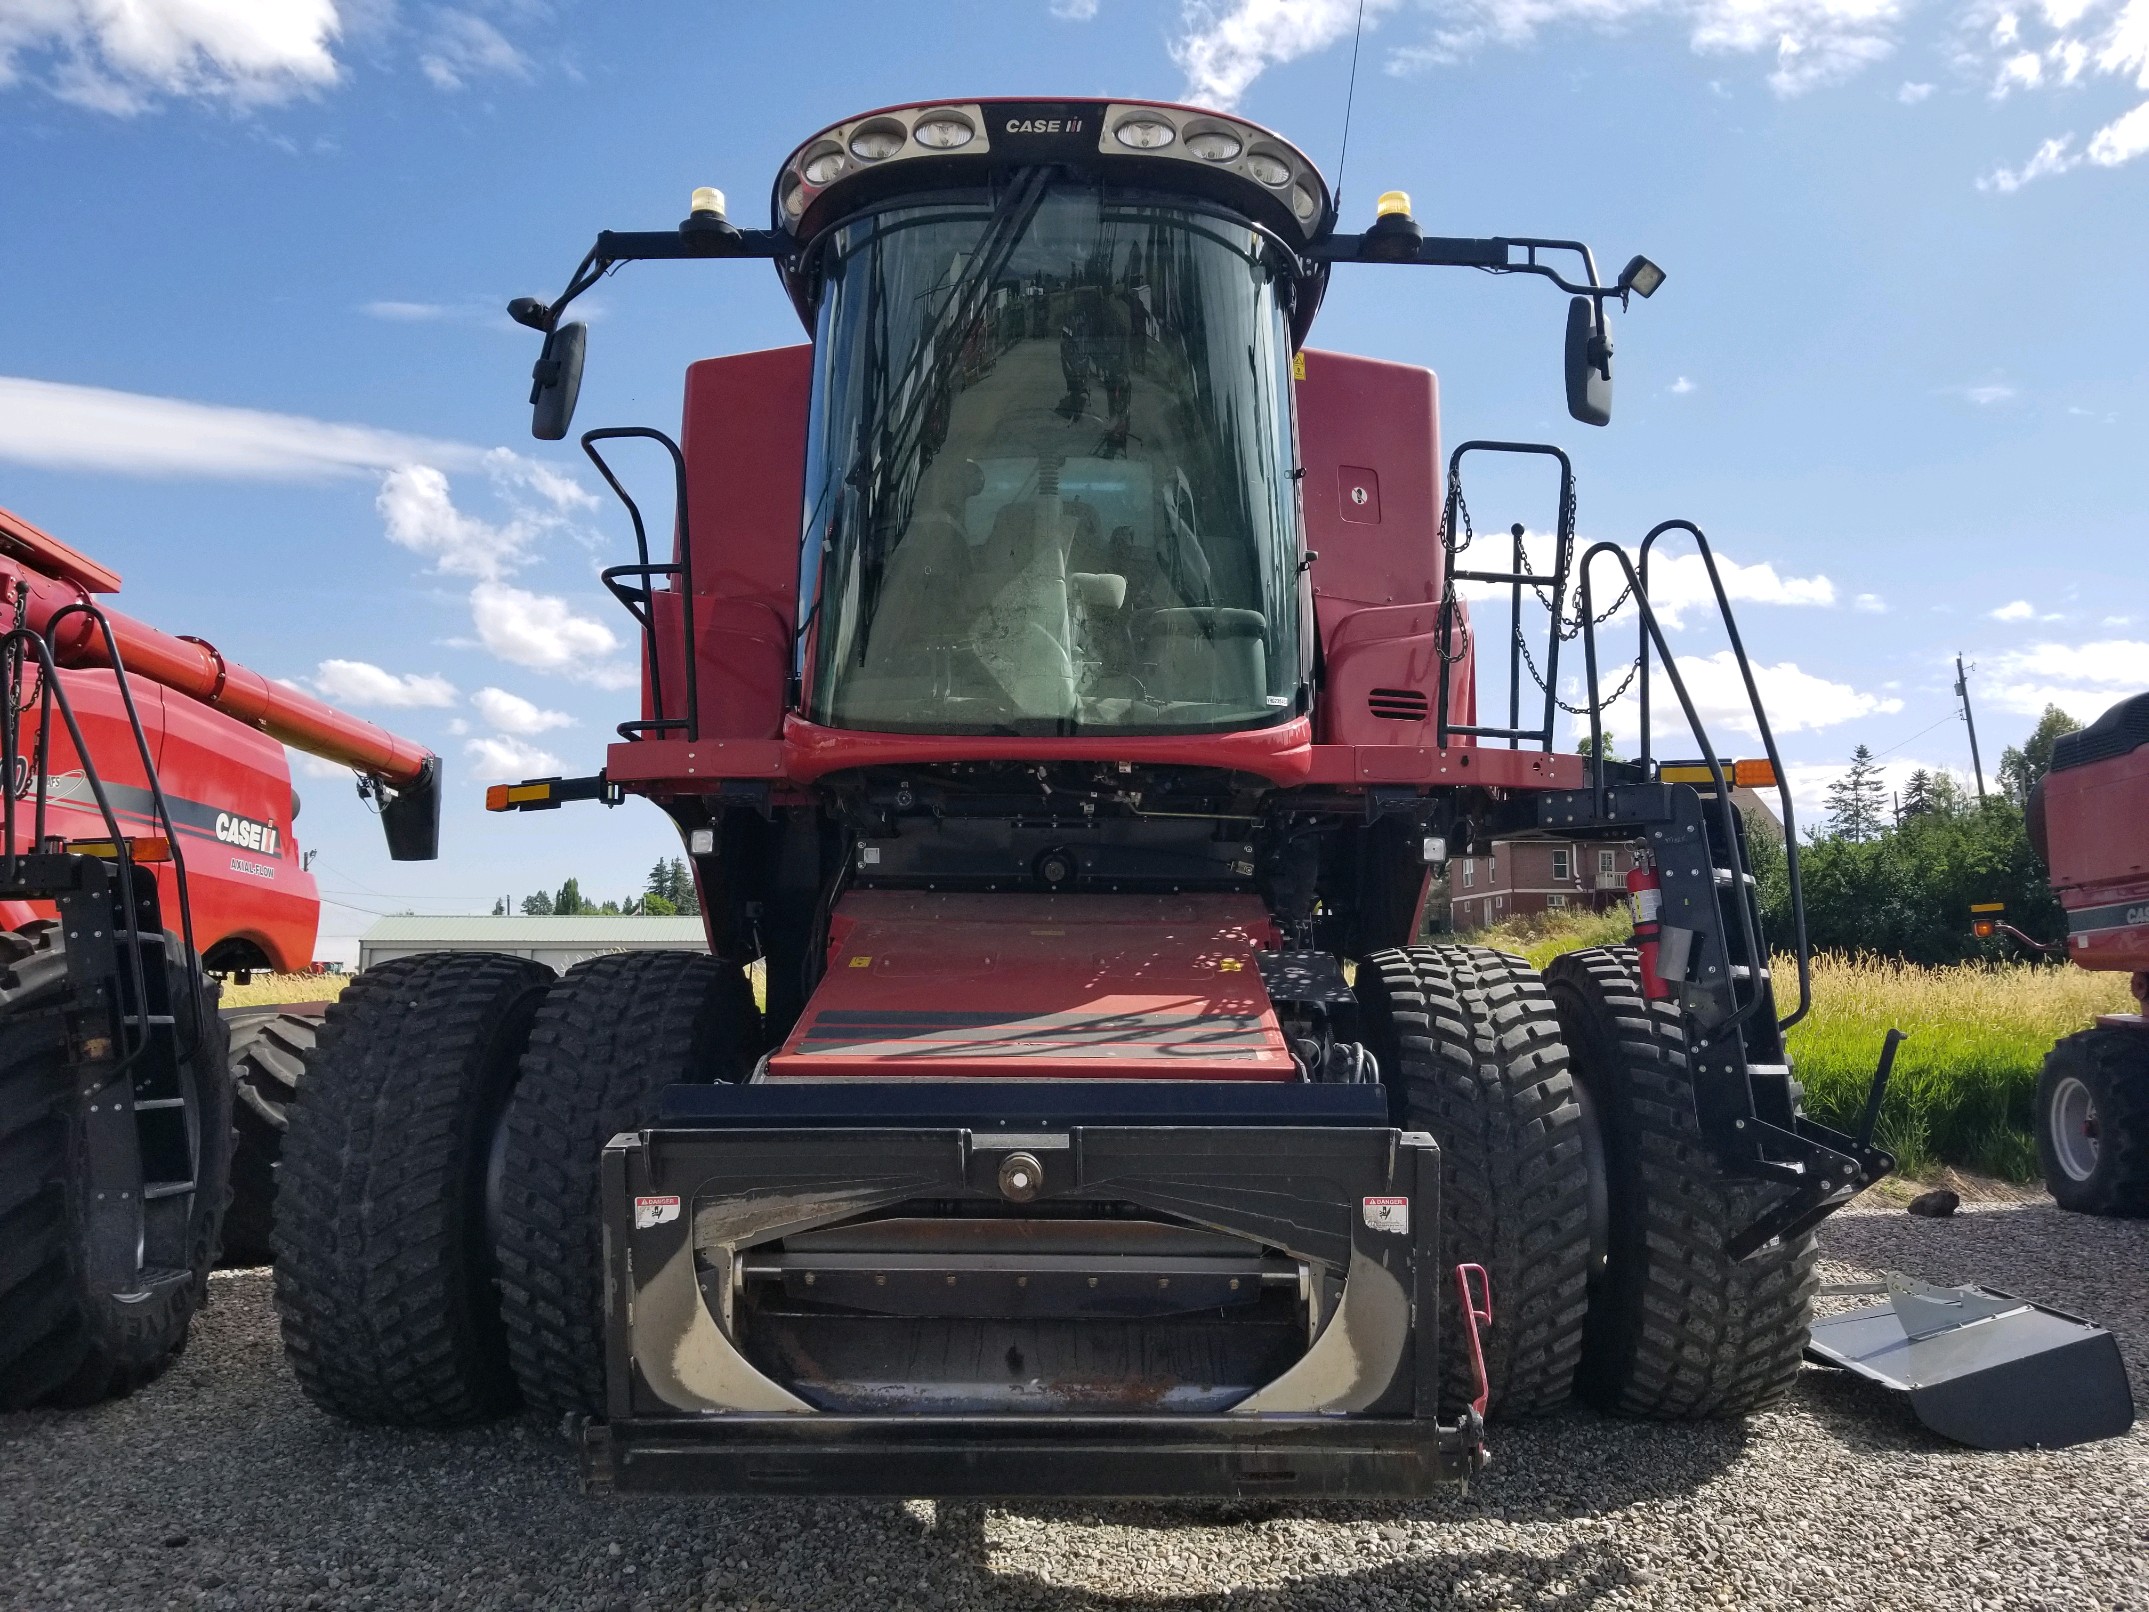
(1145,144)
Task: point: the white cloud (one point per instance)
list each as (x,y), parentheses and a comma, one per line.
(1681,386)
(1227,44)
(1794,700)
(465,46)
(57,426)
(121,56)
(1912,94)
(405,312)
(419,511)
(540,631)
(1678,583)
(2081,679)
(500,759)
(1815,42)
(511,713)
(1871,604)
(2024,70)
(2123,139)
(2109,38)
(1074,10)
(419,514)
(2052,157)
(2018,610)
(358,682)
(1988,394)
(306,766)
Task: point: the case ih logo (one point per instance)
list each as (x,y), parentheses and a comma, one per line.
(2138,915)
(244,832)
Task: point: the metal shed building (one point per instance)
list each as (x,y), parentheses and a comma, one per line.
(559,943)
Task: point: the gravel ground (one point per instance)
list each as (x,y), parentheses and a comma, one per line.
(221,1487)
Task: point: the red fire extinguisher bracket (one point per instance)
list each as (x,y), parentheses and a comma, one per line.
(1645,895)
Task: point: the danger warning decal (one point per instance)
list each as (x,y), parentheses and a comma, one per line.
(654,1212)
(1388,1214)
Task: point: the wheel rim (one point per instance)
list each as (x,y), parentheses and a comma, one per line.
(2073,1126)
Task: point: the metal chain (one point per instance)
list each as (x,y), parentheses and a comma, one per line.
(1626,682)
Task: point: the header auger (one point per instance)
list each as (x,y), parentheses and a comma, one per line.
(1062,689)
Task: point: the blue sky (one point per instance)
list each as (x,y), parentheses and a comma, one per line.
(256,358)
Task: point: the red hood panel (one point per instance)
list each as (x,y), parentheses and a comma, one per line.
(1116,987)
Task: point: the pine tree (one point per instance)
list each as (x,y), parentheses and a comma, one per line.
(659,882)
(1854,800)
(1917,795)
(538,906)
(568,903)
(680,891)
(2020,769)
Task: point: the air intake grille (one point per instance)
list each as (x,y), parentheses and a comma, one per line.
(1398,704)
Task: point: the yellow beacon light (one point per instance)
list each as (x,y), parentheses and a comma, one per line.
(707,199)
(1392,204)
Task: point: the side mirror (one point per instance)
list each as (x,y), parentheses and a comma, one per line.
(556,382)
(1589,361)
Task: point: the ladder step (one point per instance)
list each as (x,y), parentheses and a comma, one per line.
(152,1019)
(166,1189)
(159,1102)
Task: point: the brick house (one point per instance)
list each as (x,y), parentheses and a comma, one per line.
(1522,877)
(1529,876)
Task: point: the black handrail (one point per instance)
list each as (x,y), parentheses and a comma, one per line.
(640,601)
(1515,579)
(1768,743)
(1653,632)
(50,692)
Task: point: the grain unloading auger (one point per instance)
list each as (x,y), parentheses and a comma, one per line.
(1061,686)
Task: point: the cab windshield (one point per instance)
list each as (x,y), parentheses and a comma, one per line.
(1049,474)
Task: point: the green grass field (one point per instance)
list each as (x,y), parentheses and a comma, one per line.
(1966,1076)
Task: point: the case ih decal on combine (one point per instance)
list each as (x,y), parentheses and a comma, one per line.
(149,787)
(1060,681)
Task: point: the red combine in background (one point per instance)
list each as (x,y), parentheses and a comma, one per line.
(2089,820)
(158,790)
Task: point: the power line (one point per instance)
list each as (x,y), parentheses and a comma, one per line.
(1913,739)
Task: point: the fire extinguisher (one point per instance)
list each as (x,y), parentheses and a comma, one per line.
(1646,896)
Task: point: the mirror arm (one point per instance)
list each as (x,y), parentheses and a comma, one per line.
(614,247)
(1465,252)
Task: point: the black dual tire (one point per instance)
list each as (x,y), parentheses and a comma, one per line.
(1677,1329)
(611,1036)
(2101,1077)
(68,1334)
(1471,1051)
(439,1255)
(269,1049)
(384,1264)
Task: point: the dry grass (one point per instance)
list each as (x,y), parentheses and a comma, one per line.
(1965,1079)
(268,988)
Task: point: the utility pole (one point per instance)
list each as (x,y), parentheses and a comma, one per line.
(1962,689)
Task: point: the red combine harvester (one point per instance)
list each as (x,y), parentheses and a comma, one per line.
(146,782)
(2089,820)
(1061,686)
